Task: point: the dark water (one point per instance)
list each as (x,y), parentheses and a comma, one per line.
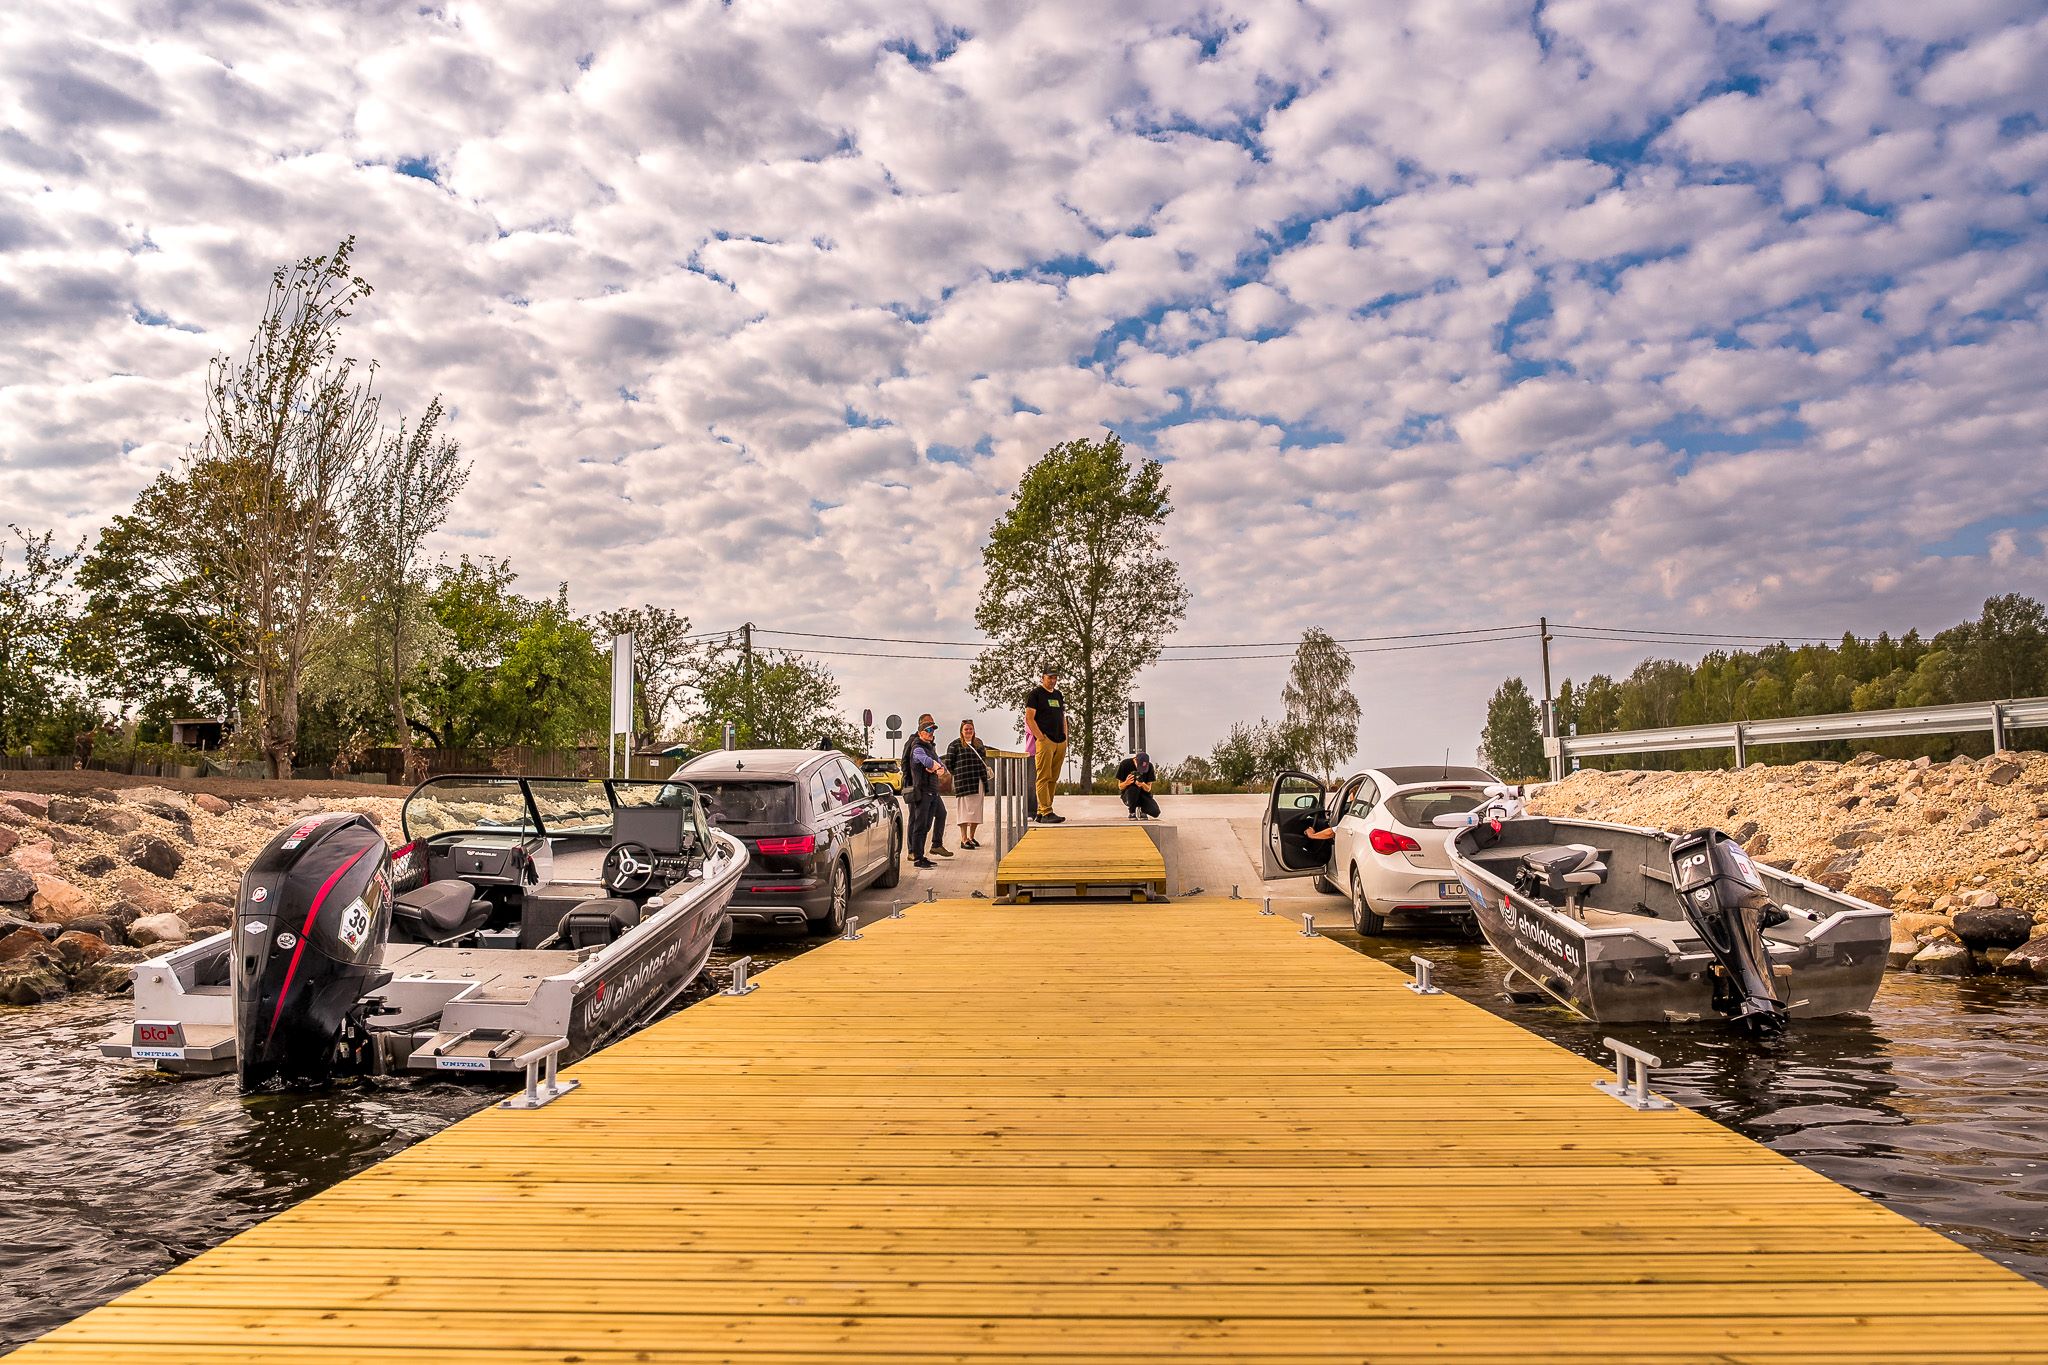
(110,1174)
(1935,1105)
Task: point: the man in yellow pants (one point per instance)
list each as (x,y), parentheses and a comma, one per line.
(1045,716)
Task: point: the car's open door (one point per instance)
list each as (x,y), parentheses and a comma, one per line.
(1287,851)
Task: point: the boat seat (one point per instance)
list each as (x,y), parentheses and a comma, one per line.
(439,912)
(1563,872)
(595,923)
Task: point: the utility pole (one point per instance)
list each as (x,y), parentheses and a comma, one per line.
(747,675)
(1554,759)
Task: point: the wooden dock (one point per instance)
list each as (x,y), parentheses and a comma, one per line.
(1080,1134)
(1082,861)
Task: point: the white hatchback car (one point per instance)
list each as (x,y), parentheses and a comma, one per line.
(1387,853)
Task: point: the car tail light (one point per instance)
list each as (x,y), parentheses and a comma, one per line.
(798,843)
(1386,841)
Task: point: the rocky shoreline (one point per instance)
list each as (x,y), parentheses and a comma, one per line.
(1957,850)
(92,883)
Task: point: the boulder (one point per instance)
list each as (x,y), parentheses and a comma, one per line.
(96,865)
(1979,818)
(1757,845)
(1744,832)
(1880,896)
(76,951)
(211,804)
(8,839)
(69,810)
(2002,774)
(1921,762)
(1856,838)
(154,856)
(146,895)
(1835,876)
(16,888)
(155,929)
(1849,802)
(32,981)
(1992,927)
(20,944)
(28,803)
(2029,959)
(1943,955)
(113,974)
(208,915)
(62,835)
(39,856)
(1978,900)
(113,820)
(1934,815)
(1866,759)
(57,900)
(1917,925)
(167,810)
(99,926)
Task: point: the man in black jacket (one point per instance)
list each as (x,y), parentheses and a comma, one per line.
(921,769)
(1134,779)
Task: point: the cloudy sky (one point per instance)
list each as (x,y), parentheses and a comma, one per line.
(1715,317)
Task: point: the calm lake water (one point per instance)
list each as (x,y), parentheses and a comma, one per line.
(1935,1104)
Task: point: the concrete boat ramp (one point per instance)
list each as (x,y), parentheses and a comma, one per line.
(1081,1133)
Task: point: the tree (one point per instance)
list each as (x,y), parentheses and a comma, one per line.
(1511,744)
(1321,707)
(553,687)
(457,703)
(151,631)
(290,439)
(1077,577)
(35,620)
(790,699)
(2003,653)
(1258,752)
(405,498)
(663,661)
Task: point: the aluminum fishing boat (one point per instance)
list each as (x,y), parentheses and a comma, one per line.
(1626,925)
(523,920)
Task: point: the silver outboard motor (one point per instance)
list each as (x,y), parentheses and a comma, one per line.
(1725,900)
(310,929)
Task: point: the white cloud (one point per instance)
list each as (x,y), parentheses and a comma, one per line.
(758,311)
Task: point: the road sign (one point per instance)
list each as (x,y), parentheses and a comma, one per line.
(895,724)
(867,717)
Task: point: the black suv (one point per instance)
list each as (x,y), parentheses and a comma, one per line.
(817,832)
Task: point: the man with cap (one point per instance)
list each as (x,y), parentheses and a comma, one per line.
(1045,716)
(1134,779)
(921,770)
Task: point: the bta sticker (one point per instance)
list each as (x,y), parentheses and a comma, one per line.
(355,924)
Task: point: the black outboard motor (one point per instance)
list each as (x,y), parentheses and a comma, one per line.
(309,934)
(1725,899)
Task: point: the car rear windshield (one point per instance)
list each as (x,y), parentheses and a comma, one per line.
(748,803)
(1419,807)
(879,765)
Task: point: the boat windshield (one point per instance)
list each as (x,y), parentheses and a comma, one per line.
(562,805)
(444,805)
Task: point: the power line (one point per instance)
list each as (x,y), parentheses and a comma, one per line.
(1198,659)
(1221,644)
(1695,635)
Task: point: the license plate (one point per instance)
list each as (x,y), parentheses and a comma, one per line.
(1451,891)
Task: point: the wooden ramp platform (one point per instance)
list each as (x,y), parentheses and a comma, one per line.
(1070,861)
(1078,1134)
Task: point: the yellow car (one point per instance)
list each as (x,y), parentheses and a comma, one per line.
(883,772)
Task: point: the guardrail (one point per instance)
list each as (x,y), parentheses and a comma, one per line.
(1997,717)
(1011,780)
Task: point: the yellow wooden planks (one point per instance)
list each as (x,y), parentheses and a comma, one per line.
(1082,860)
(1086,1135)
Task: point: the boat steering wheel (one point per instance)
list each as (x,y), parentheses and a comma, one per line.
(628,868)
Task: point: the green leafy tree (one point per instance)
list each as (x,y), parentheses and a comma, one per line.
(405,497)
(456,705)
(1077,576)
(664,660)
(35,622)
(1512,743)
(1321,708)
(783,701)
(152,634)
(553,688)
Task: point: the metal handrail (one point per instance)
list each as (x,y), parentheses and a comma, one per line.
(1011,777)
(1998,717)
